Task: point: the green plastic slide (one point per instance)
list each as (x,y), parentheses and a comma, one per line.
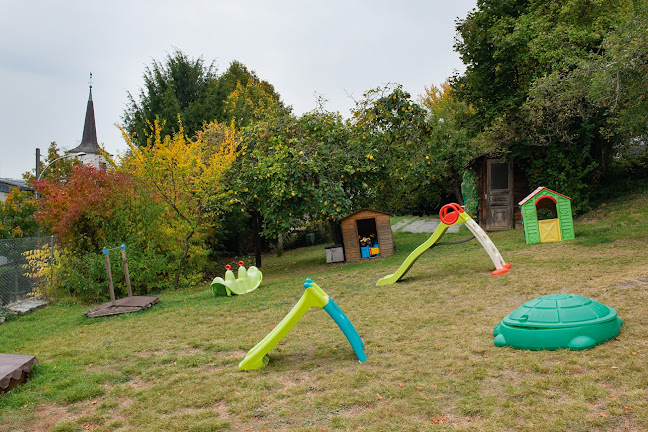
(313,296)
(450,214)
(248,280)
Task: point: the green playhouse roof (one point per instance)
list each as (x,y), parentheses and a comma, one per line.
(537,191)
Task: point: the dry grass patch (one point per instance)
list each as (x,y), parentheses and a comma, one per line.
(431,366)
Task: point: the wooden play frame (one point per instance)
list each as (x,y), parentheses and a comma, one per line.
(124,305)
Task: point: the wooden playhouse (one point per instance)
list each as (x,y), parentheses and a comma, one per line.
(367,234)
(546,216)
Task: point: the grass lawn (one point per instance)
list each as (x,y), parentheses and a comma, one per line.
(431,366)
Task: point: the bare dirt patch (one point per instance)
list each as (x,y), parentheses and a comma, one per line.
(49,415)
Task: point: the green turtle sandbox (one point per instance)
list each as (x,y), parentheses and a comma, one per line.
(450,214)
(248,280)
(558,321)
(313,296)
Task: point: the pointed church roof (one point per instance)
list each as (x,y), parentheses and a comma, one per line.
(89,142)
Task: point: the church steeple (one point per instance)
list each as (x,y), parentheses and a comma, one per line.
(89,143)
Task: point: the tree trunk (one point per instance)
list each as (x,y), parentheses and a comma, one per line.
(280,248)
(456,187)
(336,231)
(183,259)
(257,238)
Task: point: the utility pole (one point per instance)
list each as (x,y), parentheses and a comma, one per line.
(38,231)
(37,162)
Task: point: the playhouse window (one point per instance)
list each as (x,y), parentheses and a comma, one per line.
(546,208)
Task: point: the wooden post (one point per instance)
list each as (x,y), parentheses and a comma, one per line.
(110,281)
(125,261)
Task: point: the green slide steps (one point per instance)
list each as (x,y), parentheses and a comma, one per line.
(248,280)
(313,296)
(450,214)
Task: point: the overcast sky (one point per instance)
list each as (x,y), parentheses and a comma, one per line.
(333,48)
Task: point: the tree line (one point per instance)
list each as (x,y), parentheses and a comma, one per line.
(219,160)
(560,88)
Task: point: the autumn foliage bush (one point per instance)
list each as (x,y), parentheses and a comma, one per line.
(162,200)
(79,210)
(93,210)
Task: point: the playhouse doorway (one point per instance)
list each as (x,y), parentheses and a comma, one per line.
(367,236)
(548,222)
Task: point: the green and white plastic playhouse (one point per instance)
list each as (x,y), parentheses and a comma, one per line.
(546,216)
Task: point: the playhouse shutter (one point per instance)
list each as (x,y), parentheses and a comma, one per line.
(531,228)
(563,208)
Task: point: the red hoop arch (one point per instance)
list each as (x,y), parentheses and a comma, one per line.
(448,217)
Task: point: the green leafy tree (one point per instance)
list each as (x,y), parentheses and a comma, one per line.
(617,82)
(269,176)
(248,98)
(188,91)
(296,170)
(495,64)
(520,56)
(450,121)
(396,135)
(57,172)
(341,171)
(178,89)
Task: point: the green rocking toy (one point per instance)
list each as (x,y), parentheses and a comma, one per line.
(248,280)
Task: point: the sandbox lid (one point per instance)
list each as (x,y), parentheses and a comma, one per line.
(560,311)
(13,369)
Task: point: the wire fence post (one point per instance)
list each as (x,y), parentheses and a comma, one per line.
(16,290)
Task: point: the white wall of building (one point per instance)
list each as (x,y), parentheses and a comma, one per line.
(96,161)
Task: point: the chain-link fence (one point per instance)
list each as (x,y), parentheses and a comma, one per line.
(25,267)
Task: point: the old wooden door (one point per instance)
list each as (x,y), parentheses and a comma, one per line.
(498,196)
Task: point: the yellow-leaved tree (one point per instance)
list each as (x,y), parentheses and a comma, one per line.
(436,98)
(186,175)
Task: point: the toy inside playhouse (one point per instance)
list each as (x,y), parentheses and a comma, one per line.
(368,238)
